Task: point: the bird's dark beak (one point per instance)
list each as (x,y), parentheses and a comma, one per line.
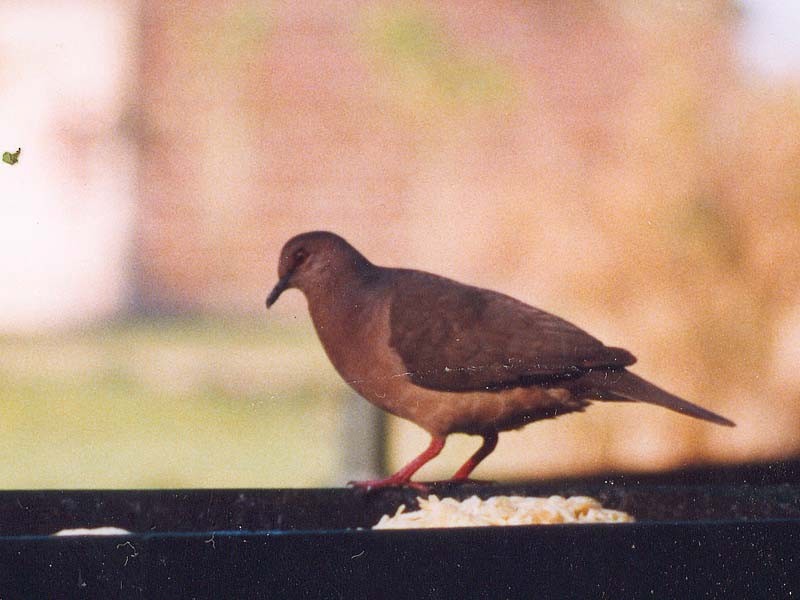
(282,284)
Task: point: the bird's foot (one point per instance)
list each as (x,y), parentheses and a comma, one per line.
(454,481)
(389,482)
(419,486)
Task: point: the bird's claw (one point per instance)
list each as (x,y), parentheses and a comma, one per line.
(419,486)
(456,481)
(377,484)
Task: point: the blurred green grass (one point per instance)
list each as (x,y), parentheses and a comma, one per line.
(169,403)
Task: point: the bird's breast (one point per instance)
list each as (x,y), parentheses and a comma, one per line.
(355,335)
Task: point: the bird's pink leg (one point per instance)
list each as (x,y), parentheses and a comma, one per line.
(403,476)
(488,446)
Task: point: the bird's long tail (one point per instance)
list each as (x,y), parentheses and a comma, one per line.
(624,385)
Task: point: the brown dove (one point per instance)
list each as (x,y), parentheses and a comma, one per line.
(451,357)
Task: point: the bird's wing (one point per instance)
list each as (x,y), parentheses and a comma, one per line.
(456,337)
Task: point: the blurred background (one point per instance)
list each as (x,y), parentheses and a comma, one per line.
(633,167)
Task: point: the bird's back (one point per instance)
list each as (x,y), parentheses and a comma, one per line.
(457,337)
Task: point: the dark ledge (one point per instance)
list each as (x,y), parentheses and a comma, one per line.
(721,532)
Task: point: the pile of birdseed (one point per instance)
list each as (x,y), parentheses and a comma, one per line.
(501,510)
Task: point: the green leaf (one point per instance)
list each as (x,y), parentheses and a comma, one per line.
(11,158)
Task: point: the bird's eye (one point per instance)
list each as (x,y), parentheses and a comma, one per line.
(300,255)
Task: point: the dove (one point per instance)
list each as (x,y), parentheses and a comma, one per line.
(451,357)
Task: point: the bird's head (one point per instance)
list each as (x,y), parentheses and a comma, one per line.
(309,259)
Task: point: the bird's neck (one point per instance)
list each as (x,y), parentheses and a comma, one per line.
(337,282)
(339,304)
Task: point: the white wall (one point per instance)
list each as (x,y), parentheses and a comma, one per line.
(66,209)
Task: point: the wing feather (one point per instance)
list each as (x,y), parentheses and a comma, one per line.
(456,337)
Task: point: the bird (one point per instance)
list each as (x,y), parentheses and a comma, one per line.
(451,357)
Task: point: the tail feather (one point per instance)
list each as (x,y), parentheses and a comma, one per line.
(624,385)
